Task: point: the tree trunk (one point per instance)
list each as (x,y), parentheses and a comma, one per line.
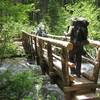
(97,3)
(43,7)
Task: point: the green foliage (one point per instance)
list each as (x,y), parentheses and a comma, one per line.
(9,32)
(8,50)
(13,18)
(89,11)
(13,29)
(98,94)
(16,11)
(21,84)
(14,14)
(53,14)
(15,86)
(56,17)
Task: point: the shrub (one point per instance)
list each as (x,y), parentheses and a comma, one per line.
(88,10)
(13,19)
(15,86)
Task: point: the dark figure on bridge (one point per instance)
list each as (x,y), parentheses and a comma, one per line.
(41,31)
(78,33)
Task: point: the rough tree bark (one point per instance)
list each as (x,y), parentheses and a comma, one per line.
(97,3)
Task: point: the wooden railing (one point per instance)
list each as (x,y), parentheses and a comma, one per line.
(44,50)
(58,65)
(95,62)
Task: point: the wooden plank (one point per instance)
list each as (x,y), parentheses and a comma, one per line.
(90,96)
(59,43)
(58,37)
(91,78)
(80,81)
(82,87)
(70,64)
(94,43)
(89,60)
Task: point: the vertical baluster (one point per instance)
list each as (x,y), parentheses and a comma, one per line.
(50,57)
(65,71)
(41,58)
(36,51)
(32,51)
(40,42)
(64,61)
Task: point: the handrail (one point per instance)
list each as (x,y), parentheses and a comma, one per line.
(92,42)
(89,60)
(59,43)
(58,36)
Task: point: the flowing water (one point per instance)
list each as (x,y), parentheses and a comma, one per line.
(47,91)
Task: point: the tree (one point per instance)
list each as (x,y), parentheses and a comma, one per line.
(97,3)
(13,18)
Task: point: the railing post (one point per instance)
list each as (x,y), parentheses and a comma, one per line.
(40,53)
(97,66)
(36,53)
(50,57)
(65,71)
(40,43)
(32,51)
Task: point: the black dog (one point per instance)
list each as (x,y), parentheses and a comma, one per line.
(78,37)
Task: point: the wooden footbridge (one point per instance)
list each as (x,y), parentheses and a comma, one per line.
(51,53)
